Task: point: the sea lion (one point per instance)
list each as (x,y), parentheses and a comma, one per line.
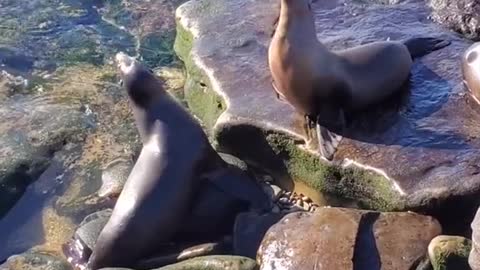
(471,70)
(158,192)
(322,85)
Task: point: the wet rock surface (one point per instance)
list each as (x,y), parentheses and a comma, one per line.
(210,263)
(417,157)
(64,115)
(35,261)
(340,238)
(462,16)
(449,252)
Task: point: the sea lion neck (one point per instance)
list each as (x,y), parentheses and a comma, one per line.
(296,19)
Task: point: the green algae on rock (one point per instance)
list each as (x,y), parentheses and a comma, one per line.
(449,252)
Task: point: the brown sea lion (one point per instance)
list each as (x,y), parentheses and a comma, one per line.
(471,70)
(158,192)
(322,85)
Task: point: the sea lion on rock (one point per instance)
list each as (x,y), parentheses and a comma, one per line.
(322,85)
(471,70)
(159,190)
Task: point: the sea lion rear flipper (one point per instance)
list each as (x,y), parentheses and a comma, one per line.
(328,141)
(419,47)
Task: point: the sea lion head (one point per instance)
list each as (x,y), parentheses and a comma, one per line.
(140,82)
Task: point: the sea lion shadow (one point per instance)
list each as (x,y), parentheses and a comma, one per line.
(394,120)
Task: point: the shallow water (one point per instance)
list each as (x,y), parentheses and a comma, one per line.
(60,103)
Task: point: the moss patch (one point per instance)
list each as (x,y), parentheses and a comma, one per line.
(372,191)
(200,97)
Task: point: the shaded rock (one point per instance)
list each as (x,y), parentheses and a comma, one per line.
(340,238)
(462,16)
(418,157)
(449,252)
(35,261)
(249,230)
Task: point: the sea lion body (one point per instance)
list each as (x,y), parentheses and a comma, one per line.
(471,70)
(323,84)
(157,194)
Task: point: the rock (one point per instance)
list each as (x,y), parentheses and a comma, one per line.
(114,177)
(35,261)
(215,262)
(462,16)
(449,252)
(344,238)
(218,262)
(249,231)
(32,131)
(417,158)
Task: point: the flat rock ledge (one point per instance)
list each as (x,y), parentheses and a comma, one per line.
(420,156)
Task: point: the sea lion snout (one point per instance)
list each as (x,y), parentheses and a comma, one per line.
(124,62)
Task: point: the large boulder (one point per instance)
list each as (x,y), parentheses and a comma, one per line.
(340,238)
(462,16)
(417,158)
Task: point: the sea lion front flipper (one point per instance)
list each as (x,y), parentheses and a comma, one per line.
(328,141)
(279,96)
(419,47)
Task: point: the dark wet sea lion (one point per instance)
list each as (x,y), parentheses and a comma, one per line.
(322,85)
(471,70)
(158,192)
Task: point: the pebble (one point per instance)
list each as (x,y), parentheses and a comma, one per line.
(288,200)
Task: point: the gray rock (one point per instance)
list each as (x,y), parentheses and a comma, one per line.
(344,238)
(215,262)
(218,262)
(449,252)
(35,261)
(418,157)
(32,131)
(462,16)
